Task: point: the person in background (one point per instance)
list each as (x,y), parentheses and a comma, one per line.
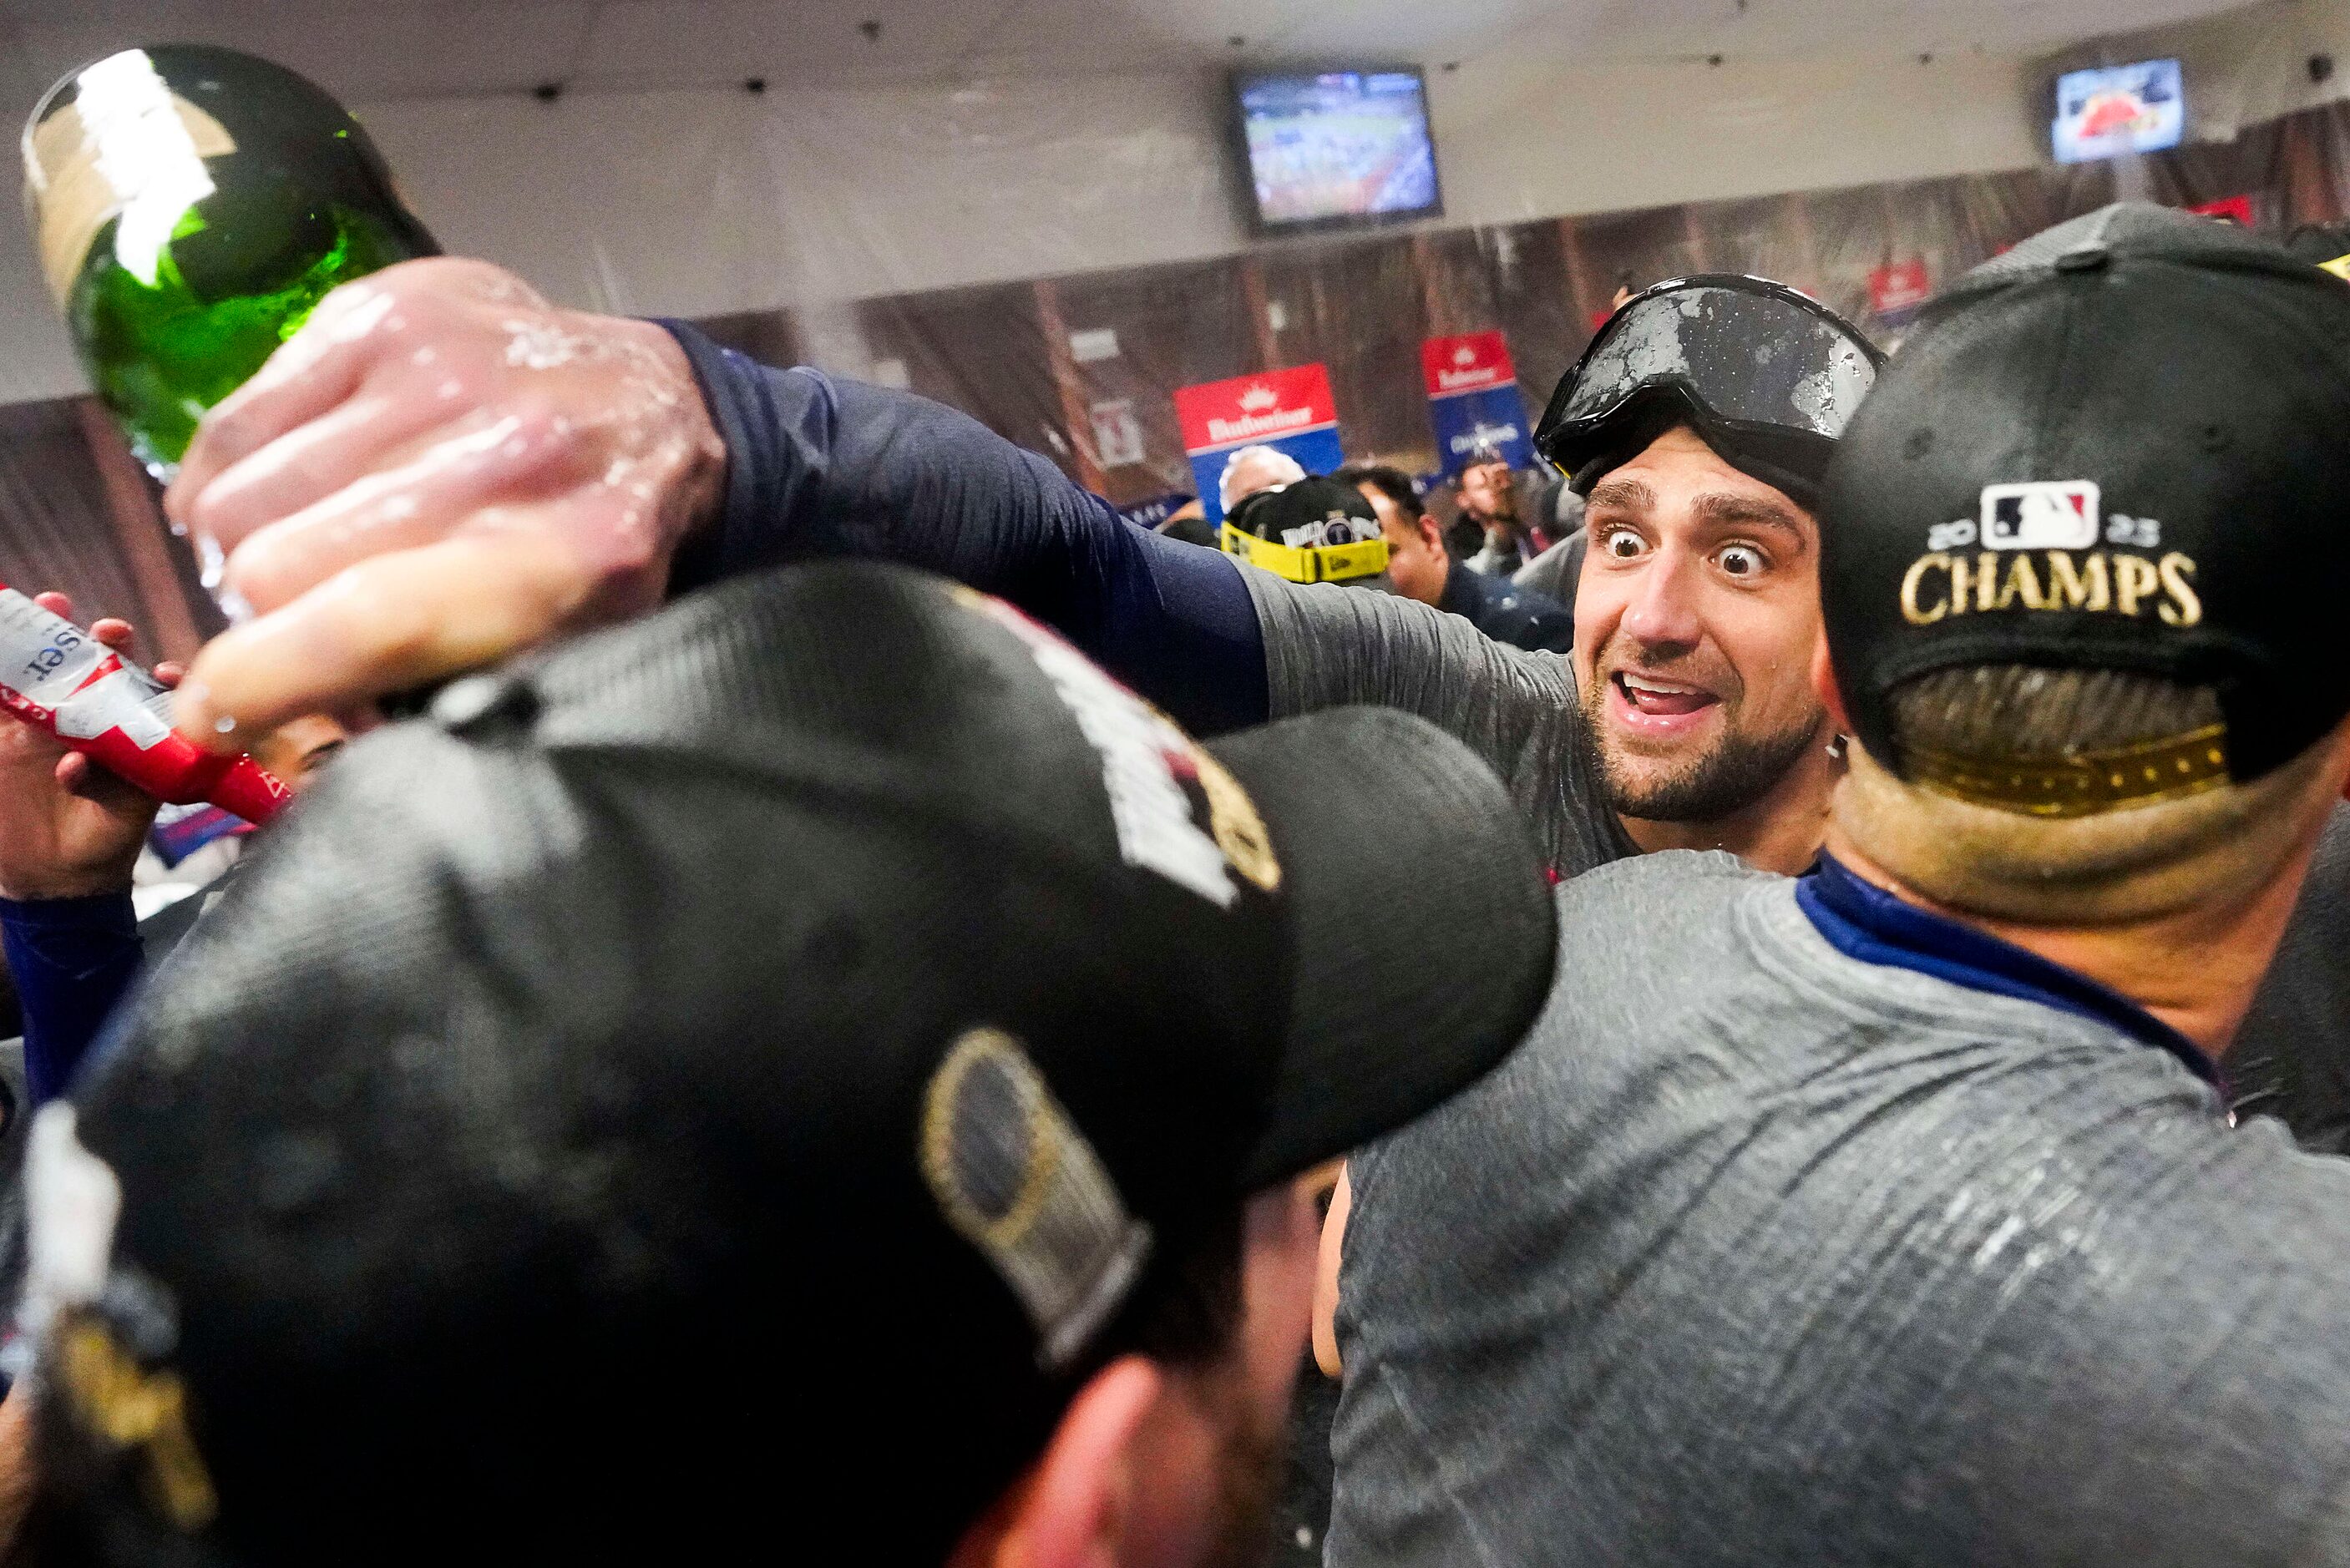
(1463,534)
(1489,498)
(327,1248)
(69,834)
(1190,524)
(1421,568)
(1253,469)
(1893,1215)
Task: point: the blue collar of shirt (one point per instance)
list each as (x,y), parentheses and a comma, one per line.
(1866,922)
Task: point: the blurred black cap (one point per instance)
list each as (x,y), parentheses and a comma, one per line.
(2319,244)
(729,1071)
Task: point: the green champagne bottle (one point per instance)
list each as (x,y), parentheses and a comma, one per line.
(191,205)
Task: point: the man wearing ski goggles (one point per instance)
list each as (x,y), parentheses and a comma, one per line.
(1697,426)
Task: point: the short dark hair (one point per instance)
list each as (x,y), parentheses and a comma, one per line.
(1392,483)
(2057,743)
(2021,709)
(1186,1311)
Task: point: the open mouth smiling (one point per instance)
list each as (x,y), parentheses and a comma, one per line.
(1648,696)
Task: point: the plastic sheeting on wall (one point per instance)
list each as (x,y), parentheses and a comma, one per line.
(1084,369)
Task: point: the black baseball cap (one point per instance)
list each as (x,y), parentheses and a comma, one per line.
(1314,530)
(2319,244)
(2118,446)
(1301,514)
(731,1072)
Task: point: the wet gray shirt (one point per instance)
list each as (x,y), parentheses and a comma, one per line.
(1756,1254)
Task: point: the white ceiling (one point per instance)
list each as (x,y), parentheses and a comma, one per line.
(371,50)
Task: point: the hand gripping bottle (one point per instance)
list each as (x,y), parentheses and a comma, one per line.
(58,678)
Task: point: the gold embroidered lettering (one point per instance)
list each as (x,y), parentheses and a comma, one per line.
(2185,608)
(2022,583)
(1911,610)
(2134,578)
(2068,588)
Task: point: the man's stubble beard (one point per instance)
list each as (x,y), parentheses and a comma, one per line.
(1731,775)
(1252,1462)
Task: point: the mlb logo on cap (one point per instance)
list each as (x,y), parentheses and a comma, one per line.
(2045,514)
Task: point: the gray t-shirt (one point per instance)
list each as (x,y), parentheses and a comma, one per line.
(1756,1254)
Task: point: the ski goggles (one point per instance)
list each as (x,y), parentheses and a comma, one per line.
(1741,357)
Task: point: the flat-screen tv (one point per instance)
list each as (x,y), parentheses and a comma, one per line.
(2113,109)
(1332,149)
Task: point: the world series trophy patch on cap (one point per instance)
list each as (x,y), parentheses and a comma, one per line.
(1015,1177)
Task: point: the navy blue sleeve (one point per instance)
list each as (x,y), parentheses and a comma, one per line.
(820,467)
(73,959)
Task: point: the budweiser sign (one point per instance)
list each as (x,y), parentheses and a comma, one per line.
(1900,287)
(1254,408)
(1469,363)
(1472,400)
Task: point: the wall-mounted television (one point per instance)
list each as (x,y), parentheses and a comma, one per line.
(2113,109)
(1335,149)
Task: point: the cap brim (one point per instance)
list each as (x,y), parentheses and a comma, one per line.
(1420,924)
